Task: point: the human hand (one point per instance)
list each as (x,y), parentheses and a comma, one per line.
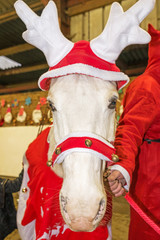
(116,183)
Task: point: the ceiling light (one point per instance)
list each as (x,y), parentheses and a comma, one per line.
(6,63)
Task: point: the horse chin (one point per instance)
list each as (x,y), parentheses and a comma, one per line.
(82,225)
(79,222)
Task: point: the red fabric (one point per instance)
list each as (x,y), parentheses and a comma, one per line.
(21,111)
(8,109)
(1,122)
(140,120)
(79,142)
(38,107)
(82,53)
(43,200)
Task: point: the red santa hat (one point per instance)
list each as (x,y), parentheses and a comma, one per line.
(96,58)
(153,49)
(38,107)
(8,109)
(82,60)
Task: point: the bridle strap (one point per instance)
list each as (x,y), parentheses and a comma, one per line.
(83,142)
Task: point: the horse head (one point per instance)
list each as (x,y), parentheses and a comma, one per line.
(83,81)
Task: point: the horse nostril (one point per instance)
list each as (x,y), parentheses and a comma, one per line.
(102,204)
(101,210)
(101,207)
(64,203)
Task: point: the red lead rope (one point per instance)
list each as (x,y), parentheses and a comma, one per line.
(142,214)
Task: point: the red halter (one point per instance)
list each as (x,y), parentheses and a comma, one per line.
(83,142)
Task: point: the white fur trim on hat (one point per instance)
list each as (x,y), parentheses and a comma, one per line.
(80,68)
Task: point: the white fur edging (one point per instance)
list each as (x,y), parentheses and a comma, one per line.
(80,68)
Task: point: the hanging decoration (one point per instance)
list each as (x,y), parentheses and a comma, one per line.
(24,109)
(1,120)
(120,91)
(3,102)
(28,101)
(8,115)
(37,114)
(43,101)
(21,116)
(15,103)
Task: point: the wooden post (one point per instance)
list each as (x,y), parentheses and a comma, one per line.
(80,6)
(63,17)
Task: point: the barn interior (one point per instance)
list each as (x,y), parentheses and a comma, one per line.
(19,91)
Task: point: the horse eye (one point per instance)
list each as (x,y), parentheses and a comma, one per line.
(112,104)
(51,105)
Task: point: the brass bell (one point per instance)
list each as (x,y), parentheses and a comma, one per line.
(31,122)
(24,190)
(88,142)
(50,120)
(58,150)
(115,158)
(49,163)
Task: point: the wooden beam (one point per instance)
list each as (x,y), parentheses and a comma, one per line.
(64,20)
(44,2)
(19,88)
(87,6)
(23,70)
(121,64)
(16,49)
(12,15)
(135,71)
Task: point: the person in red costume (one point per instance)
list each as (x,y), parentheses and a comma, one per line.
(137,144)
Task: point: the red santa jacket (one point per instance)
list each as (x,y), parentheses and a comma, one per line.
(141,120)
(39,214)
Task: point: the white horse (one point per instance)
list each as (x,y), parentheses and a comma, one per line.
(93,100)
(82,95)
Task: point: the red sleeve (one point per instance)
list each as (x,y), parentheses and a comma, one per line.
(139,113)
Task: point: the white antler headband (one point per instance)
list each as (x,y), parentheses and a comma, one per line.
(122,29)
(43,32)
(96,58)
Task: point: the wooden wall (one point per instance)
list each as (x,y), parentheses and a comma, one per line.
(90,23)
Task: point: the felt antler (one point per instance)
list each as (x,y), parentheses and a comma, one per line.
(43,32)
(122,29)
(96,58)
